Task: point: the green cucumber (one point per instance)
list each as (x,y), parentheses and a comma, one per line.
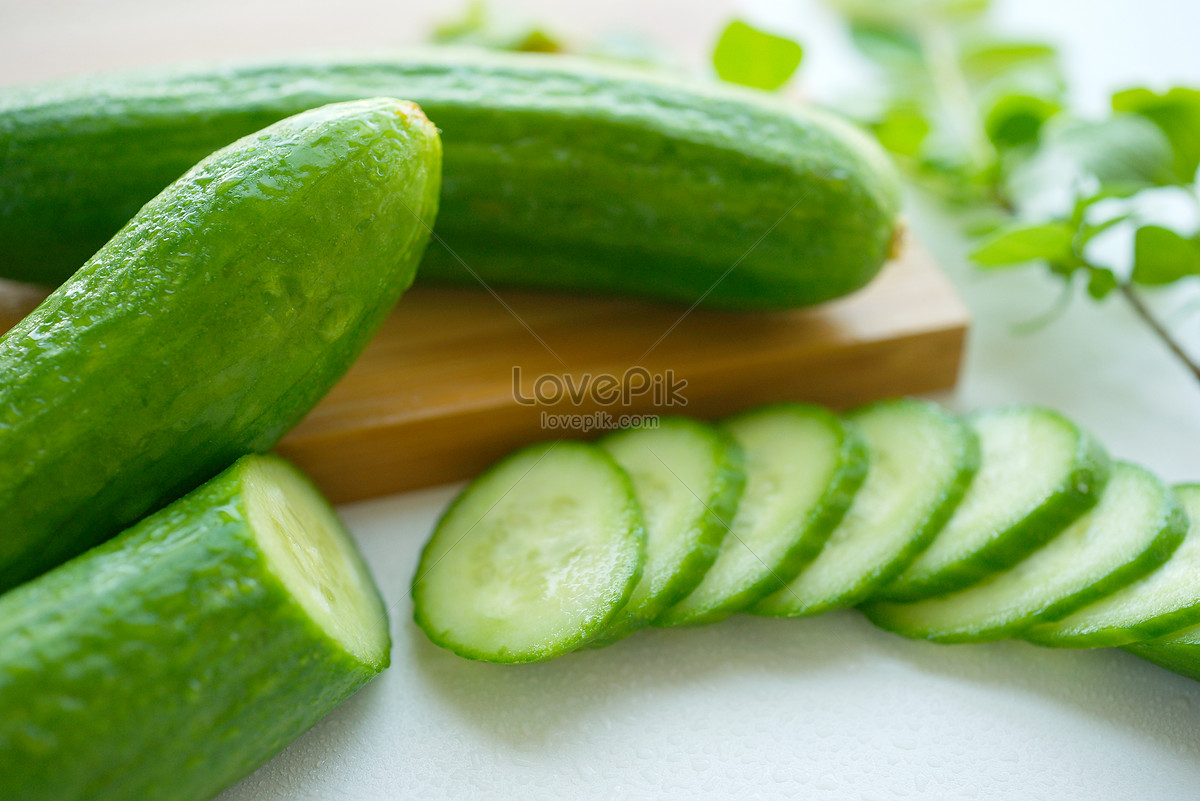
(181,655)
(803,467)
(1131,531)
(688,478)
(922,459)
(535,557)
(209,325)
(1039,473)
(559,172)
(1164,601)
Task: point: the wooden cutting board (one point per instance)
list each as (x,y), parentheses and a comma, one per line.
(432,399)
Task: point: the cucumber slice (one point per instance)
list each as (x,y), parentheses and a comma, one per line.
(1134,529)
(1164,601)
(922,459)
(688,478)
(1039,473)
(803,466)
(184,653)
(534,558)
(1178,652)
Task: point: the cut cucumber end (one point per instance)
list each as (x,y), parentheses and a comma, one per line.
(309,550)
(534,558)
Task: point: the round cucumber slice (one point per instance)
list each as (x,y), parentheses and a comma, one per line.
(534,558)
(688,477)
(1134,529)
(803,466)
(1039,472)
(922,459)
(1164,601)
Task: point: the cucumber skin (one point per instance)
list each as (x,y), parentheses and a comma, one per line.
(209,326)
(559,173)
(163,665)
(1039,527)
(1182,658)
(776,605)
(730,482)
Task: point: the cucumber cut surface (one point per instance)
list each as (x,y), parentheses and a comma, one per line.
(688,477)
(922,459)
(1134,529)
(183,654)
(1164,601)
(803,466)
(1039,472)
(534,558)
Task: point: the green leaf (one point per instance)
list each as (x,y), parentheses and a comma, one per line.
(1122,154)
(1101,281)
(886,45)
(903,129)
(1016,119)
(987,59)
(1161,256)
(1018,244)
(752,57)
(1177,114)
(479,27)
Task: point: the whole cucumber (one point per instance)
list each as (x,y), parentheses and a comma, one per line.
(209,325)
(184,653)
(559,173)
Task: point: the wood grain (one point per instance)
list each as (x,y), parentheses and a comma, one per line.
(432,398)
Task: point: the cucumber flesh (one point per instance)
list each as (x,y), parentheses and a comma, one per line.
(307,548)
(803,467)
(688,478)
(922,459)
(1039,473)
(187,651)
(1164,601)
(1134,529)
(534,558)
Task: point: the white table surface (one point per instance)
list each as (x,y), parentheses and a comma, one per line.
(828,708)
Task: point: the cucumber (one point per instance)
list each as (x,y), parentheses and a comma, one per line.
(803,467)
(1164,601)
(534,558)
(560,173)
(688,478)
(209,325)
(1178,652)
(1039,473)
(181,655)
(922,459)
(1131,531)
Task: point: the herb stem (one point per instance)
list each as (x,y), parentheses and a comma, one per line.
(1139,307)
(950,84)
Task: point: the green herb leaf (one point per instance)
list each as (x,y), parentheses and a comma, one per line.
(1161,256)
(888,46)
(752,57)
(903,129)
(988,59)
(1018,244)
(1177,113)
(1016,120)
(1101,281)
(479,27)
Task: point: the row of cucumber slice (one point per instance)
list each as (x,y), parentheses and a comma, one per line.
(1008,522)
